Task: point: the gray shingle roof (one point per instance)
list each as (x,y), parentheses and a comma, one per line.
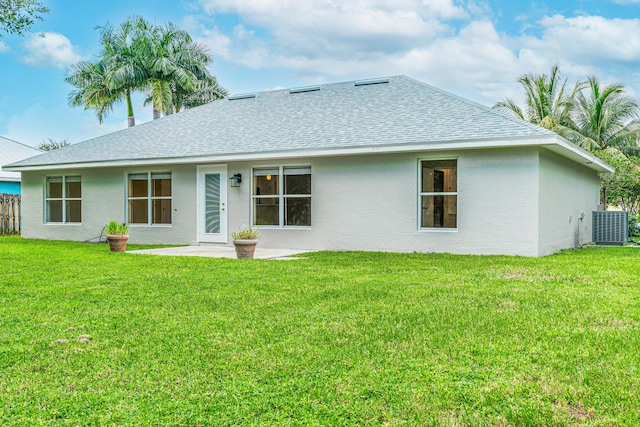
(12,151)
(340,115)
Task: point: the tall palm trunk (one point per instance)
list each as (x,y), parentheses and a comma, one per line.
(131,121)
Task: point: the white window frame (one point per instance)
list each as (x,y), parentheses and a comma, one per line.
(150,198)
(64,199)
(280,196)
(433,193)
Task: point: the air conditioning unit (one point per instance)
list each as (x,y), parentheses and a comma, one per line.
(610,227)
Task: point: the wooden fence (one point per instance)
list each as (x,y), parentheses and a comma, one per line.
(9,214)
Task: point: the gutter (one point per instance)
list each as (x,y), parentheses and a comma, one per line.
(562,147)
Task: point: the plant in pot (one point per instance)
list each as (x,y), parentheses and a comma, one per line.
(117,236)
(245,241)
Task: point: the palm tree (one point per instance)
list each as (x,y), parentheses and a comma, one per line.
(604,118)
(177,66)
(139,56)
(546,103)
(92,90)
(599,118)
(122,52)
(205,91)
(604,121)
(119,70)
(51,144)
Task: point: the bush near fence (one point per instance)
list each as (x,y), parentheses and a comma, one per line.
(9,214)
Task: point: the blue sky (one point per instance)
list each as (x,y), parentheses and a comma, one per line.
(476,49)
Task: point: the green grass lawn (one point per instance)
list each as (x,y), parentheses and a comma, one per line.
(88,337)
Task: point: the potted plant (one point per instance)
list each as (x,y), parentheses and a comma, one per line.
(117,236)
(245,241)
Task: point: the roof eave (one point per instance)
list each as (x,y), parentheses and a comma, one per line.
(571,151)
(534,140)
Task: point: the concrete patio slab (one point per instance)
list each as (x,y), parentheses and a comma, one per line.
(220,251)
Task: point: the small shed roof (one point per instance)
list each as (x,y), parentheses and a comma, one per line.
(10,152)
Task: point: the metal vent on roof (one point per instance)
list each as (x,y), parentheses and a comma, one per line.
(305,89)
(610,227)
(242,96)
(371,82)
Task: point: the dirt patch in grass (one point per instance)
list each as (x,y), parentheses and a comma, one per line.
(575,410)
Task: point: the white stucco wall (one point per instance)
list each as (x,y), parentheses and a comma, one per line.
(568,194)
(371,203)
(513,201)
(103,200)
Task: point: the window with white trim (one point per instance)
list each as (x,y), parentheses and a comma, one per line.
(438,194)
(63,200)
(282,196)
(149,198)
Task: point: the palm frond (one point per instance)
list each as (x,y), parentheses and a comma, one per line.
(509,106)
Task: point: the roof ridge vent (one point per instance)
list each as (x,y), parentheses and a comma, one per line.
(241,96)
(305,89)
(371,82)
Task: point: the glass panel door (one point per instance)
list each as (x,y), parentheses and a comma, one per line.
(212,204)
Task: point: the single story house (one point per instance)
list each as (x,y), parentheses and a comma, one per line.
(388,164)
(10,152)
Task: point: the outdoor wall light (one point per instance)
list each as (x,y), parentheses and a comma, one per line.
(236,179)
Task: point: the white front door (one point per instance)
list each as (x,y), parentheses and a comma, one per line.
(212,204)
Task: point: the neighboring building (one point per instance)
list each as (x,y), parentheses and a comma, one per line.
(10,152)
(383,165)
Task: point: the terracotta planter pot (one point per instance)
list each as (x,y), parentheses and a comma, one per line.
(118,242)
(245,248)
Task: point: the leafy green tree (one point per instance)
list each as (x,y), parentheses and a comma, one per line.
(622,186)
(17,16)
(51,144)
(546,102)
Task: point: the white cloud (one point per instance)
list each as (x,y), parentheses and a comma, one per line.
(218,42)
(3,47)
(313,29)
(437,41)
(582,45)
(592,39)
(49,50)
(353,39)
(268,10)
